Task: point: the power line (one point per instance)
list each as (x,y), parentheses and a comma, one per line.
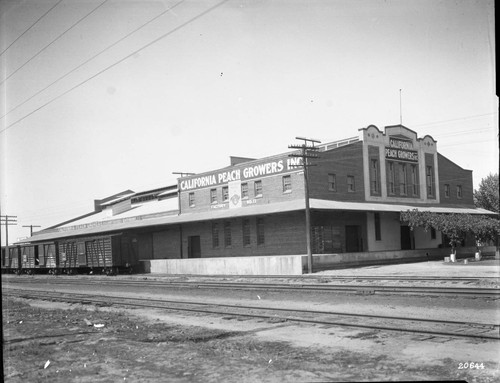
(456,119)
(53,41)
(31,228)
(93,57)
(32,25)
(119,61)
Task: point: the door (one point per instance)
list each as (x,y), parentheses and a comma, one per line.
(194,246)
(353,239)
(406,238)
(82,255)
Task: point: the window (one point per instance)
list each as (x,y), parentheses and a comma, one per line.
(213,195)
(350,184)
(378,235)
(414,180)
(402,179)
(244,190)
(459,191)
(374,176)
(257,188)
(428,178)
(391,178)
(433,233)
(227,234)
(225,193)
(191,199)
(332,182)
(246,232)
(260,231)
(446,190)
(287,184)
(215,235)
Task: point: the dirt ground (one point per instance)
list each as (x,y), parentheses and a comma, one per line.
(46,341)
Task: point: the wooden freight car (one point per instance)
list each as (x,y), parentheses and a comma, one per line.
(12,260)
(109,254)
(30,258)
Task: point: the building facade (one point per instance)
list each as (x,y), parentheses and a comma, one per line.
(357,188)
(256,207)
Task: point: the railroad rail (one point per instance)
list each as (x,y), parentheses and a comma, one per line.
(368,289)
(421,326)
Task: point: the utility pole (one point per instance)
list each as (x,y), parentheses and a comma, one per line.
(31,228)
(7,220)
(308,150)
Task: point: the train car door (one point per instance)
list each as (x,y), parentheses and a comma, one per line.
(82,255)
(194,246)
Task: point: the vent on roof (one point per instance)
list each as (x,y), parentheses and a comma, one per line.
(121,207)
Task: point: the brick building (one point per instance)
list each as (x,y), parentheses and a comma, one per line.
(357,189)
(256,207)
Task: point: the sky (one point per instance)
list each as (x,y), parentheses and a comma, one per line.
(98,97)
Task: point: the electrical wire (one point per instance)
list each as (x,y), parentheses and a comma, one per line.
(32,25)
(93,57)
(53,41)
(118,62)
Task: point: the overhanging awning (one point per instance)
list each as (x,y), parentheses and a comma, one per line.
(141,221)
(320,204)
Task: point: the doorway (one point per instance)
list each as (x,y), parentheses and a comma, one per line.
(194,246)
(406,238)
(353,240)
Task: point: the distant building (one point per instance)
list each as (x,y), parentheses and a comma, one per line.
(357,187)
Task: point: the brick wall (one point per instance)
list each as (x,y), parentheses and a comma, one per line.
(453,175)
(344,161)
(272,191)
(283,234)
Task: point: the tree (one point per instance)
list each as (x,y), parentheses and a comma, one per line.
(487,196)
(454,226)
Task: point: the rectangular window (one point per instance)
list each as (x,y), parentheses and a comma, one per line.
(414,180)
(350,184)
(260,231)
(257,188)
(244,190)
(213,195)
(433,233)
(227,233)
(428,178)
(246,232)
(332,182)
(402,179)
(215,235)
(225,193)
(191,199)
(391,178)
(374,176)
(446,190)
(459,191)
(378,235)
(287,184)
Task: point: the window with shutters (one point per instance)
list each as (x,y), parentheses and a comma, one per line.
(246,232)
(260,231)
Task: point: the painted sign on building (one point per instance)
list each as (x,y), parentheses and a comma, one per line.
(400,150)
(234,194)
(242,173)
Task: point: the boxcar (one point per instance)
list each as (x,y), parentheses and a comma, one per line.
(13,260)
(109,254)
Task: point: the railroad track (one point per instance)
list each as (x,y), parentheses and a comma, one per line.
(422,326)
(367,289)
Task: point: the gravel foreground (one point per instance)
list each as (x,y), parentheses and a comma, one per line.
(55,342)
